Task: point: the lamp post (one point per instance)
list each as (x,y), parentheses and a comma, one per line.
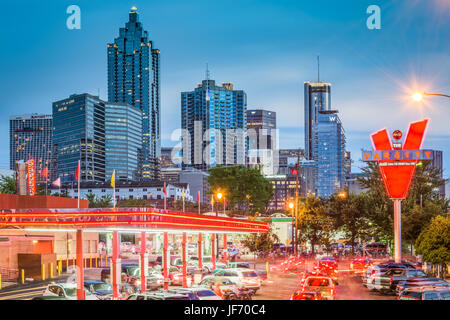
(418,96)
(291,206)
(219,196)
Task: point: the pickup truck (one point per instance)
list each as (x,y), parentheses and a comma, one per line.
(387,282)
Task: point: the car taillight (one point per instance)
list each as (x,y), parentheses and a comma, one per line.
(390,280)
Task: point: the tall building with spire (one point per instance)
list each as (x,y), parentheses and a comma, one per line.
(134,78)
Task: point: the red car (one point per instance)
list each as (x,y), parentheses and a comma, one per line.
(359,265)
(328,263)
(292,264)
(304,295)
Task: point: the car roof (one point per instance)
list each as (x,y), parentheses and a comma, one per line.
(92,281)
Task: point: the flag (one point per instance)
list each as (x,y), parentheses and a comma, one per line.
(44,172)
(57,183)
(212,200)
(164,190)
(182,194)
(113,179)
(198,196)
(77,172)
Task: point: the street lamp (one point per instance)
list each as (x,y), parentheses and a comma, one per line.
(291,206)
(418,96)
(342,194)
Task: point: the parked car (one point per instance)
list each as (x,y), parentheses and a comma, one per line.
(232,265)
(425,293)
(197,293)
(328,263)
(66,290)
(207,263)
(158,295)
(102,290)
(324,285)
(419,282)
(243,277)
(389,280)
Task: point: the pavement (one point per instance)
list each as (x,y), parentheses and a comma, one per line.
(279,286)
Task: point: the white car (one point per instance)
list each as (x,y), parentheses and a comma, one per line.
(322,284)
(207,263)
(66,290)
(243,277)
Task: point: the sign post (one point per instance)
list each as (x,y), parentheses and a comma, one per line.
(397,164)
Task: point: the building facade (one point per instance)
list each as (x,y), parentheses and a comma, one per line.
(317,98)
(329,154)
(129,190)
(123,141)
(103,136)
(214,121)
(262,140)
(134,79)
(30,137)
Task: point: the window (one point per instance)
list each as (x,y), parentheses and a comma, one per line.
(131,190)
(431,296)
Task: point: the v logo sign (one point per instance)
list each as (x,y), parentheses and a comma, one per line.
(397,179)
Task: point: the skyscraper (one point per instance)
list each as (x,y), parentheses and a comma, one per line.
(123,141)
(262,140)
(329,154)
(133,78)
(104,136)
(215,118)
(317,98)
(30,137)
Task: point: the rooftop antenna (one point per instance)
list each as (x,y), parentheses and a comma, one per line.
(318,68)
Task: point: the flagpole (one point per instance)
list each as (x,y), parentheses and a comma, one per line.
(183,200)
(165,197)
(113,185)
(79,178)
(198,200)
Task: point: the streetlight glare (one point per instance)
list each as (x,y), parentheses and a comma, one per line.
(219,195)
(417,96)
(291,205)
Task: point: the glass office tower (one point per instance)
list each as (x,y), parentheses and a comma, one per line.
(317,98)
(30,137)
(79,134)
(215,117)
(329,154)
(103,135)
(133,78)
(123,141)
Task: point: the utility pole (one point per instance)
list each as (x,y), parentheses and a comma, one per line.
(296,201)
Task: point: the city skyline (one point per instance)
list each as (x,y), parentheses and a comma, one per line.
(378,75)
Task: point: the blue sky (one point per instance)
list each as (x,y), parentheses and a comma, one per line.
(267,48)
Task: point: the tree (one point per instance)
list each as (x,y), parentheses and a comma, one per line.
(256,242)
(245,189)
(381,210)
(7,184)
(96,202)
(350,214)
(314,223)
(434,242)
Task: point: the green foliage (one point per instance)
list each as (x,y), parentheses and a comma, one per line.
(260,241)
(7,184)
(381,210)
(133,203)
(96,202)
(434,241)
(350,214)
(245,189)
(314,222)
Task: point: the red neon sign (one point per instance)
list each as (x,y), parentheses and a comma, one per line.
(397,174)
(31,181)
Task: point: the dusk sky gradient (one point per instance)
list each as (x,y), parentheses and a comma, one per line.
(267,48)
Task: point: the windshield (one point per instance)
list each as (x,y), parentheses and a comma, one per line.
(102,287)
(249,274)
(71,292)
(206,293)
